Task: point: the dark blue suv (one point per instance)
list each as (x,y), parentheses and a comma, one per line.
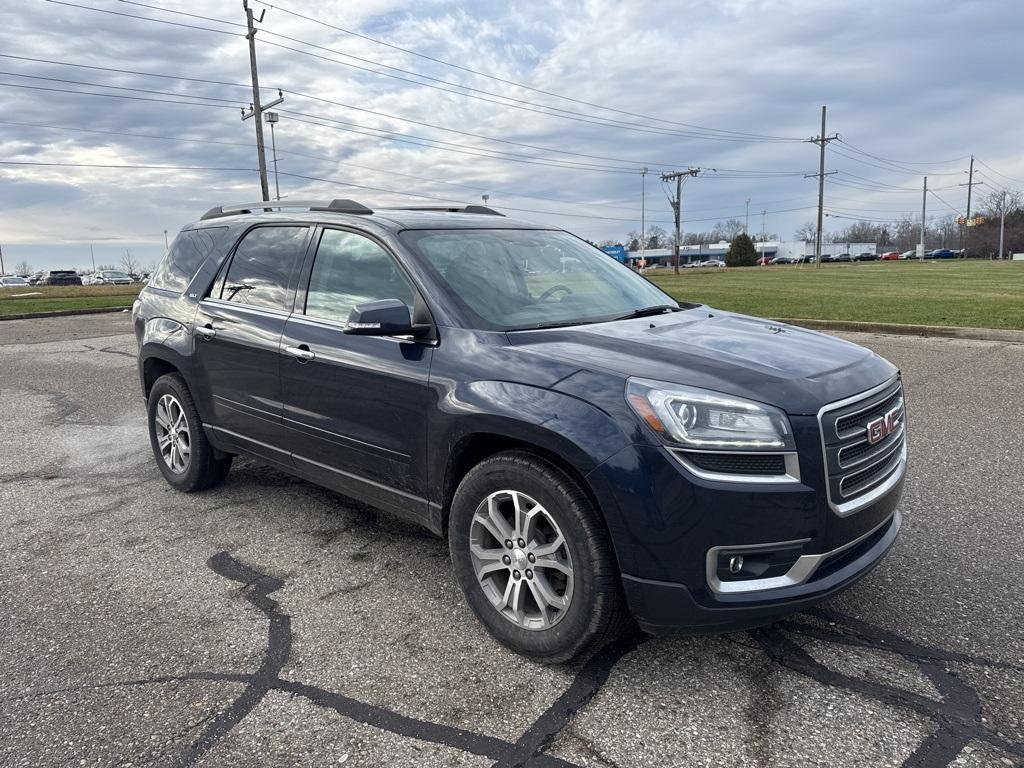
(595,452)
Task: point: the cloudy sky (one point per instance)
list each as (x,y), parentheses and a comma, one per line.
(551,108)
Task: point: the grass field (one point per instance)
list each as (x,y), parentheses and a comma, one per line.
(48,298)
(979,294)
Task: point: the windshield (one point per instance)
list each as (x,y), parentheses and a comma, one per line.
(115,275)
(512,279)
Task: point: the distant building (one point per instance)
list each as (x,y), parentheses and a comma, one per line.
(770,248)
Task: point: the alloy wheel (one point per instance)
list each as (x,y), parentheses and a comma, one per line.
(521,560)
(172,434)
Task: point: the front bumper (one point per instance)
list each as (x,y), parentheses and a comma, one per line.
(660,606)
(669,526)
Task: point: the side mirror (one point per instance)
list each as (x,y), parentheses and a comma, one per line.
(387,317)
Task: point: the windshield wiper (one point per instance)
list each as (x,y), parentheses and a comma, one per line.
(648,311)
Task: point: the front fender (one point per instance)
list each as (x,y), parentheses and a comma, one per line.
(558,423)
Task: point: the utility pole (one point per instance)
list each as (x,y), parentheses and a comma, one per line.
(643,213)
(764,217)
(678,177)
(2,270)
(822,141)
(970,185)
(924,209)
(257,108)
(1002,223)
(93,257)
(746,227)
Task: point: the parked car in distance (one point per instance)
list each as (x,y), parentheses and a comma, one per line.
(110,277)
(908,255)
(842,257)
(61,277)
(942,253)
(595,452)
(715,262)
(827,257)
(763,261)
(785,260)
(865,256)
(13,281)
(890,256)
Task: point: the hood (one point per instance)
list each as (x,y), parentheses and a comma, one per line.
(783,365)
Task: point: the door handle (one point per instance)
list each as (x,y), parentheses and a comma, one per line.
(301,353)
(206,331)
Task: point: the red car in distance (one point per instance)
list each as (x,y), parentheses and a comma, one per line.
(891,256)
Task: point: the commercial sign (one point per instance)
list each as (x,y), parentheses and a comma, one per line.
(617,252)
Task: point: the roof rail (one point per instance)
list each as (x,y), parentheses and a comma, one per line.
(450,209)
(334,206)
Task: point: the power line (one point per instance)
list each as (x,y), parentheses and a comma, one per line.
(117,96)
(519,103)
(903,162)
(705,132)
(1001,175)
(128,71)
(725,172)
(232,102)
(517,84)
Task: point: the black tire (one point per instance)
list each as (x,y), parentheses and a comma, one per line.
(204,468)
(596,613)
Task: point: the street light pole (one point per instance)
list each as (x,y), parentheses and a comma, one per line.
(272,119)
(746,227)
(1002,223)
(643,213)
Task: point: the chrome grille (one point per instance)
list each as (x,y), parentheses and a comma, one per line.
(857,471)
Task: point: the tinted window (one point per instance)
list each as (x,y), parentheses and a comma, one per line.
(183,259)
(262,264)
(351,269)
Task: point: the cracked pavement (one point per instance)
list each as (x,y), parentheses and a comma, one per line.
(271,622)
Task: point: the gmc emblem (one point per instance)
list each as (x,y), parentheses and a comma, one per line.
(882,427)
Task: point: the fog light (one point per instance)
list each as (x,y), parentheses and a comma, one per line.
(735,564)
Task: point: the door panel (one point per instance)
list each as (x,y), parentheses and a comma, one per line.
(238,337)
(355,413)
(354,407)
(240,364)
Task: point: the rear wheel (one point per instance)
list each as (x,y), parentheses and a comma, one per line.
(533,558)
(185,457)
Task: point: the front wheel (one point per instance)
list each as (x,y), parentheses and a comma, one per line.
(533,558)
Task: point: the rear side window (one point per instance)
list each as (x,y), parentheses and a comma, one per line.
(349,270)
(184,258)
(262,266)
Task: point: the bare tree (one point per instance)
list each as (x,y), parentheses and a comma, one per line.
(23,268)
(806,231)
(727,230)
(657,237)
(129,263)
(994,203)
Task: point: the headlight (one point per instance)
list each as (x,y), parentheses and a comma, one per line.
(702,419)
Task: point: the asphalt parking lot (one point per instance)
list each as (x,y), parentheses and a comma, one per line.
(269,622)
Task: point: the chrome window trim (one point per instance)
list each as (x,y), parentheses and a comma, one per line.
(791,459)
(844,509)
(340,326)
(800,572)
(245,307)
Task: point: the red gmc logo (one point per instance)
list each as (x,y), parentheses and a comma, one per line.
(882,427)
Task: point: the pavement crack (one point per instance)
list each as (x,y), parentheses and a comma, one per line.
(957,714)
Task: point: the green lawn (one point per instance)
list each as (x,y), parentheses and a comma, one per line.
(62,297)
(979,294)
